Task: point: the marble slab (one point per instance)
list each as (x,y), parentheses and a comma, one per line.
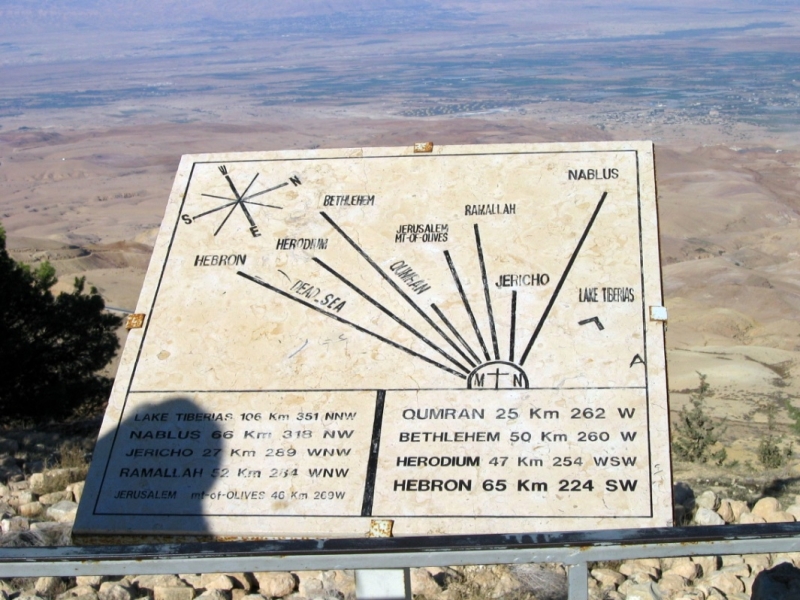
(458,340)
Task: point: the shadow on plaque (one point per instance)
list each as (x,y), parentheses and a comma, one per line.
(152,478)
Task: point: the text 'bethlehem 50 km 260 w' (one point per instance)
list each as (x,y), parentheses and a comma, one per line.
(463,340)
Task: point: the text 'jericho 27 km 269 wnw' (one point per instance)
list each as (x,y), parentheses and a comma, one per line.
(467,339)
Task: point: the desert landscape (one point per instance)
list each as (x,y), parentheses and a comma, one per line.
(95,114)
(91,201)
(91,134)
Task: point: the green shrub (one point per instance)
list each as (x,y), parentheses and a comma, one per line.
(794,413)
(51,347)
(771,454)
(696,433)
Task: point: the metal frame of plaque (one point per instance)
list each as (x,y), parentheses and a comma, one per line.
(467,339)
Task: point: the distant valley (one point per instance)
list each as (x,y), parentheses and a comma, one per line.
(96,112)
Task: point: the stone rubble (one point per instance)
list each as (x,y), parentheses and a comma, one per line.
(33,513)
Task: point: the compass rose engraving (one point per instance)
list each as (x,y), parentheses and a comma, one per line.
(240,200)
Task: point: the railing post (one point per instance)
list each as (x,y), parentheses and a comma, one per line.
(578,581)
(383,584)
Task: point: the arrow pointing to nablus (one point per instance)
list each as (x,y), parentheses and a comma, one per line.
(595,320)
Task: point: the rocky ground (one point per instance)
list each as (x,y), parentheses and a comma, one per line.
(41,481)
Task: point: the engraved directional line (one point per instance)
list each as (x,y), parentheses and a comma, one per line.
(486,293)
(512,334)
(239,198)
(213,210)
(245,199)
(467,306)
(561,281)
(394,285)
(454,331)
(595,320)
(351,324)
(225,220)
(391,315)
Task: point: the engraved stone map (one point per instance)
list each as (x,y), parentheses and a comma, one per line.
(460,339)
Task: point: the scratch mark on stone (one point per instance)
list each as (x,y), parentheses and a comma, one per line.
(299,349)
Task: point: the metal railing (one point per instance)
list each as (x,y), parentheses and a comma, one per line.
(573,549)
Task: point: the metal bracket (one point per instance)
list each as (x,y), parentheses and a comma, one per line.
(423,147)
(134,321)
(380,528)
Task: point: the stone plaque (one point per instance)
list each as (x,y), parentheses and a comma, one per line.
(459,340)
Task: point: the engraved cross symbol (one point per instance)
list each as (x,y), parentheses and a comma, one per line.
(497,375)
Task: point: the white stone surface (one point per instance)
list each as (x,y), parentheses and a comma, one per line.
(332,336)
(644,591)
(706,516)
(766,506)
(63,512)
(275,584)
(708,499)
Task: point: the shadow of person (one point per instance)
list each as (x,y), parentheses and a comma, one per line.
(152,473)
(781,582)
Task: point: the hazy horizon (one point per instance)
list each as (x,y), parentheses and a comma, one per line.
(135,62)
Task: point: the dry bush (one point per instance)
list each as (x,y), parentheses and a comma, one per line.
(71,456)
(479,583)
